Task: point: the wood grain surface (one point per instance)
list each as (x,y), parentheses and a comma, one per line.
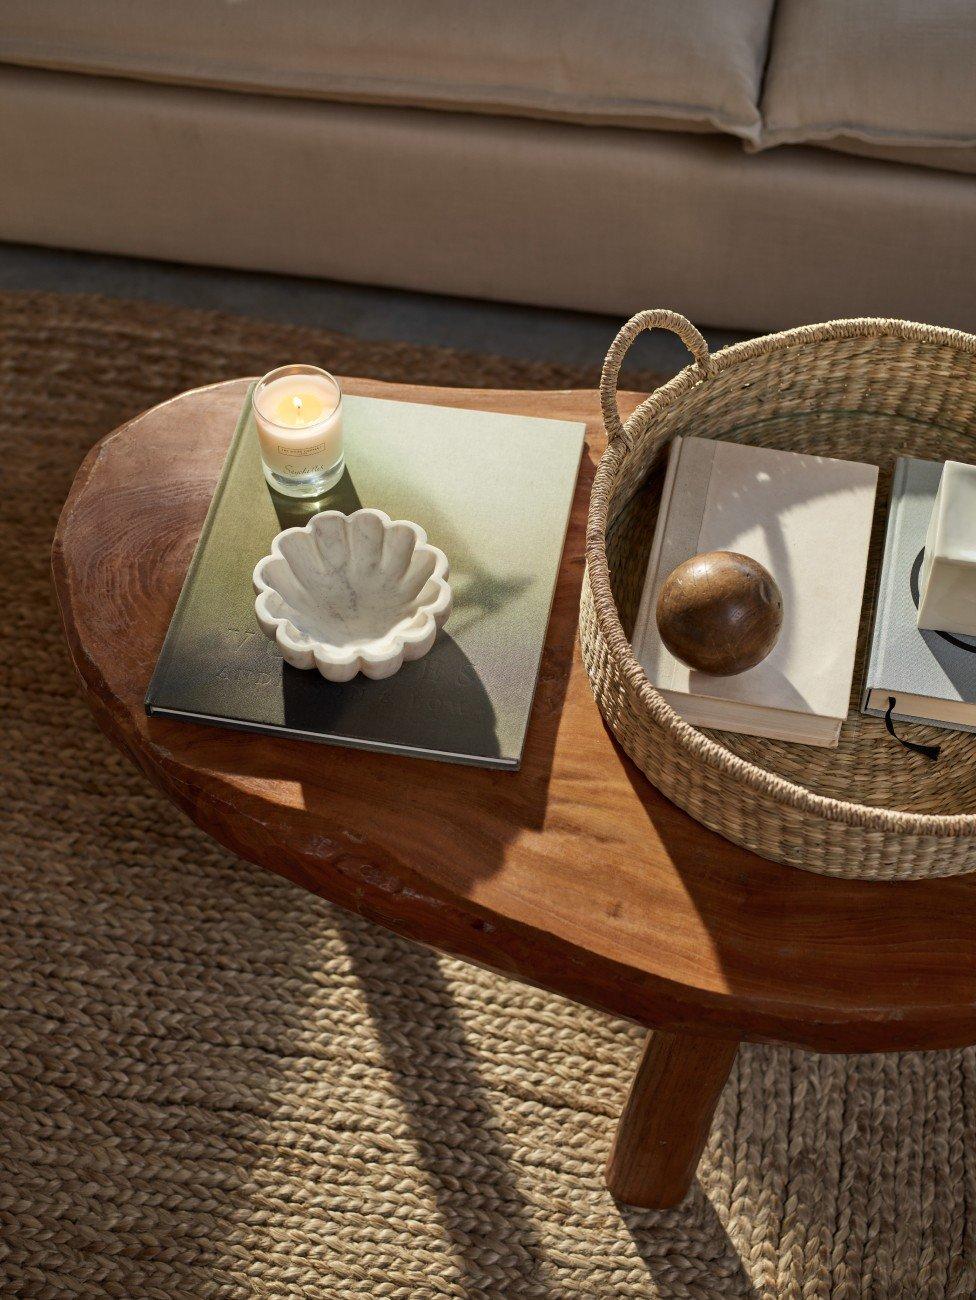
(573,874)
(720,612)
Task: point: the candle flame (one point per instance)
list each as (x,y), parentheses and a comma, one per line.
(297,401)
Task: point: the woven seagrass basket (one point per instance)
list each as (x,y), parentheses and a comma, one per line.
(857,389)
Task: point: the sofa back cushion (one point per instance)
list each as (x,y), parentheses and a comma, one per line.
(882,78)
(694,65)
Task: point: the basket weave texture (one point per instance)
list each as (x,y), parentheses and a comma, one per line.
(867,389)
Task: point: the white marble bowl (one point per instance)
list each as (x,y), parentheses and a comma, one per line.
(352,593)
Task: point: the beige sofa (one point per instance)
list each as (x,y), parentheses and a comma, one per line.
(754,163)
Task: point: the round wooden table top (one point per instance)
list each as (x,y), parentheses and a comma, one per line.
(574,874)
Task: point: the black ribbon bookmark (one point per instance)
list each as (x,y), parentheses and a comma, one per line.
(927,751)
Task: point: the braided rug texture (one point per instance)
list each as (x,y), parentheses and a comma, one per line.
(213,1084)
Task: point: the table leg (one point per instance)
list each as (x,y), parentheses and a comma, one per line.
(666,1118)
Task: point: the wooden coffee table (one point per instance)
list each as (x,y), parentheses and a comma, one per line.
(573,874)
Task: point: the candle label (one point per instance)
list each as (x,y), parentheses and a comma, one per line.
(295,460)
(307,452)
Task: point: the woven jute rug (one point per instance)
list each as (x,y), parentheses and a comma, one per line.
(214,1084)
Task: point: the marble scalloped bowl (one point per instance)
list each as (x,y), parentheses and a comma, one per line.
(350,594)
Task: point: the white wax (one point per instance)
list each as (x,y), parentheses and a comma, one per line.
(295,439)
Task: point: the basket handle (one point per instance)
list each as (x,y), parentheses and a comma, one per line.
(656,318)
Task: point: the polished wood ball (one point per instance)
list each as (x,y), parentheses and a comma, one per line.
(720,612)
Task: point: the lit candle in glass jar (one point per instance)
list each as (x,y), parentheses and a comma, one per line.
(298,413)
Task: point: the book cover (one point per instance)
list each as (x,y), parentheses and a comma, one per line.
(808,520)
(931,675)
(493,491)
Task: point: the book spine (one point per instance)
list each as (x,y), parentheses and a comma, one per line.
(645,612)
(172,634)
(882,609)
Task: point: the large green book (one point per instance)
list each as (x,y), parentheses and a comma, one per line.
(493,492)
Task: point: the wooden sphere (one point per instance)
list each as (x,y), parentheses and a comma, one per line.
(720,612)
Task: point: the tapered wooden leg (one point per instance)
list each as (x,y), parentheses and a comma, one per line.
(666,1119)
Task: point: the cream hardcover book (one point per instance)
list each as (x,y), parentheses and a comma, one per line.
(808,520)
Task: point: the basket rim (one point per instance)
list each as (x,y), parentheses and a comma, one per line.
(699,746)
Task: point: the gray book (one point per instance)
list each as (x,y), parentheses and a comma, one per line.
(493,492)
(930,675)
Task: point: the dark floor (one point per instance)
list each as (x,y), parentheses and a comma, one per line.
(570,338)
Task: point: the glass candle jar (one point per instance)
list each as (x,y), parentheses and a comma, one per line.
(298,413)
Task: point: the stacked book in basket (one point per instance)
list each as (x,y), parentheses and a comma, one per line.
(818,453)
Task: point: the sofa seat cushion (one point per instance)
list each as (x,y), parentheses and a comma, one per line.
(484,207)
(638,63)
(882,78)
